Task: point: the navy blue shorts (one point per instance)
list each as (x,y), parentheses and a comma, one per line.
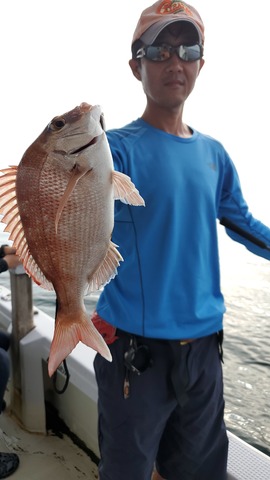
(173,417)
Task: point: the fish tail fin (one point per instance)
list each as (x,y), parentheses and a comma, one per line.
(125,190)
(68,333)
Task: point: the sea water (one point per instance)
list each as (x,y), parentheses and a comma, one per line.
(245,282)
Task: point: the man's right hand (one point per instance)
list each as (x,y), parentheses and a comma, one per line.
(9,250)
(12,260)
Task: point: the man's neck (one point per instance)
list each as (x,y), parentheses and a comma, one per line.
(168,121)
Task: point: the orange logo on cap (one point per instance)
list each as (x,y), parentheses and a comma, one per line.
(173,6)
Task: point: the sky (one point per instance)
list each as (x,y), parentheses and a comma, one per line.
(59,53)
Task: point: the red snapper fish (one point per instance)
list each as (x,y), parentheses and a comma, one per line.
(58,206)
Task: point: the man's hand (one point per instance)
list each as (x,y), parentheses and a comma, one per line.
(9,250)
(12,260)
(9,255)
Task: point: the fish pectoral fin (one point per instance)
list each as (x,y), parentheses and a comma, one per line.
(77,173)
(107,270)
(68,334)
(125,190)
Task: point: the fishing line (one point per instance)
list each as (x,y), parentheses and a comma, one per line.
(67,375)
(65,370)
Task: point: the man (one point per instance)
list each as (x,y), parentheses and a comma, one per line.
(161,398)
(8,258)
(8,461)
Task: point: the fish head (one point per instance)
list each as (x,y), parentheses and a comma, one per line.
(72,140)
(73,132)
(71,129)
(74,150)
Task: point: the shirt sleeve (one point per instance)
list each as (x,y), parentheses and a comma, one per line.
(234,214)
(3,265)
(2,250)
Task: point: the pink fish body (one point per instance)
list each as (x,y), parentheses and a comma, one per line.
(58,206)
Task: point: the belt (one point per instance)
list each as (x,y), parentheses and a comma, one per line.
(122,333)
(188,340)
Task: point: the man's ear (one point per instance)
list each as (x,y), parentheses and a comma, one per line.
(135,68)
(201,64)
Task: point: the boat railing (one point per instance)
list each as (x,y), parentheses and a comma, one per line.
(22,320)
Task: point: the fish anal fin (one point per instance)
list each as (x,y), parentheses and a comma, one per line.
(107,270)
(33,271)
(69,333)
(125,190)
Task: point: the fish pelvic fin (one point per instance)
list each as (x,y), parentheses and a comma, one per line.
(68,333)
(125,190)
(107,270)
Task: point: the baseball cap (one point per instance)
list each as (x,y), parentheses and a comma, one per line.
(161,14)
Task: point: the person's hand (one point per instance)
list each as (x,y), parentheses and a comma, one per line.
(9,250)
(12,260)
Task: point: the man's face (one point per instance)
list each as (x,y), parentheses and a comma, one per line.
(169,83)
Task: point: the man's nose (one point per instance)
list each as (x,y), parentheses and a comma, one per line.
(175,63)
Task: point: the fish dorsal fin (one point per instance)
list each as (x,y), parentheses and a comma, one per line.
(11,217)
(125,190)
(107,270)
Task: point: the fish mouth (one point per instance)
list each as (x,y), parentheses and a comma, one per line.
(84,147)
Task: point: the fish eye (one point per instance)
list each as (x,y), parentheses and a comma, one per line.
(57,123)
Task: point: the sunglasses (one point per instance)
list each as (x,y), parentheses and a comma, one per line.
(161,53)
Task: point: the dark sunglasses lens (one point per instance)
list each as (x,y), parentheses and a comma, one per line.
(138,359)
(157,53)
(190,53)
(142,359)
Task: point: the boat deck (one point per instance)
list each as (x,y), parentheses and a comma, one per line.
(44,457)
(57,457)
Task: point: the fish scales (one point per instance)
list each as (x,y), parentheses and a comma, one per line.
(87,237)
(58,206)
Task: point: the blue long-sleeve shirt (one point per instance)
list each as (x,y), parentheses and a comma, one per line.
(169,283)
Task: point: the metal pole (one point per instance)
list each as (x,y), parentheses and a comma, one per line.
(22,323)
